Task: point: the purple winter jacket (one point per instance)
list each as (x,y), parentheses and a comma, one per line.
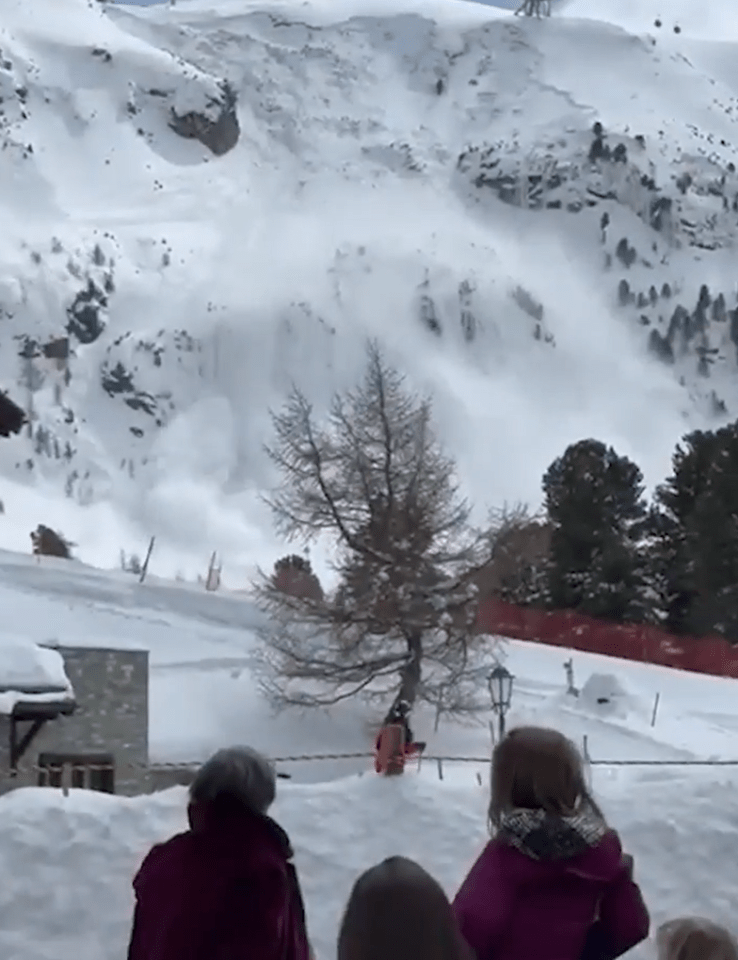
(514,907)
(224,890)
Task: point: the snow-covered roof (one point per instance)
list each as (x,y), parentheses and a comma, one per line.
(87,642)
(30,674)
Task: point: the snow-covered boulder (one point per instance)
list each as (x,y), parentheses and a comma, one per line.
(215,124)
(605,694)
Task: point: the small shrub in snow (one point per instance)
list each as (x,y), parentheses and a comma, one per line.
(528,304)
(620,153)
(294,575)
(625,253)
(660,347)
(49,543)
(131,564)
(624,294)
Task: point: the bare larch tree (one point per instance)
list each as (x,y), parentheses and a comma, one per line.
(401,624)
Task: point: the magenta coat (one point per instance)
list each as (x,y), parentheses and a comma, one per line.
(514,907)
(224,890)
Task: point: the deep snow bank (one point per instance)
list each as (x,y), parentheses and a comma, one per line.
(66,864)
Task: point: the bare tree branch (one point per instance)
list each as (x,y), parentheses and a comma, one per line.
(374,478)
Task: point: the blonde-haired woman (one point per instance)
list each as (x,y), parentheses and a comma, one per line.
(553,882)
(694,938)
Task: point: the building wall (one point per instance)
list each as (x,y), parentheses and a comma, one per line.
(112,717)
(164,778)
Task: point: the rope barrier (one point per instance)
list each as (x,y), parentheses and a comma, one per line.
(184,766)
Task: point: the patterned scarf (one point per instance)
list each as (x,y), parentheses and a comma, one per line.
(545,836)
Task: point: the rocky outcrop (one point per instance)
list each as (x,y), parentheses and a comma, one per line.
(216,128)
(11,416)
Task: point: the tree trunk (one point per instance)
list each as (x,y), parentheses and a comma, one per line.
(411,672)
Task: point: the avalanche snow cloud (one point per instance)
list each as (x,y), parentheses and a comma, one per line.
(203,204)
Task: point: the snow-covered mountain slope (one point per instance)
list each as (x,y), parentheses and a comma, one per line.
(217,199)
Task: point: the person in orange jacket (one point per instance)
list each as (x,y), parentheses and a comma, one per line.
(398,716)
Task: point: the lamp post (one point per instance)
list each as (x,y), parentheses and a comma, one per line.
(500,682)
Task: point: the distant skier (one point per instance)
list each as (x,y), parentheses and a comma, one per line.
(397,717)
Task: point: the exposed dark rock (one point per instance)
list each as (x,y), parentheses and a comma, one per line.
(116,380)
(57,349)
(12,417)
(84,315)
(218,129)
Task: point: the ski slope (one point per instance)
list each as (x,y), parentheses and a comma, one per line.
(359,199)
(66,862)
(203,691)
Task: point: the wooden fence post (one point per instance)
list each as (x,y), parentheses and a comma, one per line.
(655,709)
(145,567)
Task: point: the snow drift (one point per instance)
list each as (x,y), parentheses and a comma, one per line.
(67,863)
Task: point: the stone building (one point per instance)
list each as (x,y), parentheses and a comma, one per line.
(90,732)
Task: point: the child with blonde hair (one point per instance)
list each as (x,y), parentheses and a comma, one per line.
(694,938)
(553,883)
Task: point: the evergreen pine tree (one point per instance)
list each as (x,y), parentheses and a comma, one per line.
(697,535)
(597,512)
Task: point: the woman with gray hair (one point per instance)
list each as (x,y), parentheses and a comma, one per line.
(226,889)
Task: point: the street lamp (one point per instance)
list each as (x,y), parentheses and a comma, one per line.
(500,682)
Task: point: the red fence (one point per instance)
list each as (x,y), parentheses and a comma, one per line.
(712,655)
